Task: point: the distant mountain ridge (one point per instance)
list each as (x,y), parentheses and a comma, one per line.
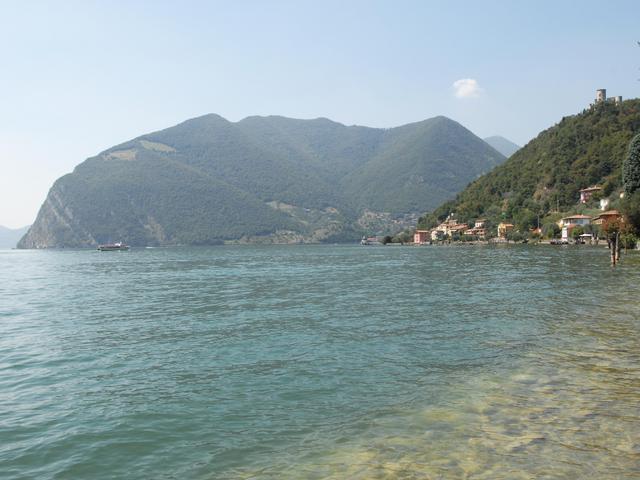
(9,237)
(209,180)
(505,146)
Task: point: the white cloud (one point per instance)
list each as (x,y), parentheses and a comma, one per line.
(466,88)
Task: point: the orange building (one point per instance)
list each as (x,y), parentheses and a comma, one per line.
(607,216)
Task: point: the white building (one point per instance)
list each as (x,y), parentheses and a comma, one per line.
(569,223)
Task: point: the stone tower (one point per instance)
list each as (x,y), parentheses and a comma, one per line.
(601,95)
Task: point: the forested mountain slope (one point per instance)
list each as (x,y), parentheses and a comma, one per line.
(208,180)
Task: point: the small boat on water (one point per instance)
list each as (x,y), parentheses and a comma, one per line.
(110,247)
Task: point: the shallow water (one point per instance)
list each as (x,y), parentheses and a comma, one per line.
(320,362)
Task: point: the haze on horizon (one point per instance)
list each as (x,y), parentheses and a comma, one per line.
(82,77)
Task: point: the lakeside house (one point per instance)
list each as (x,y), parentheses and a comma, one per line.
(421,236)
(607,216)
(448,229)
(574,220)
(586,193)
(504,229)
(478,229)
(567,224)
(436,235)
(451,226)
(459,229)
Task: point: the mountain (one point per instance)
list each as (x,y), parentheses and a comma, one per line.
(418,164)
(9,236)
(544,177)
(209,180)
(505,146)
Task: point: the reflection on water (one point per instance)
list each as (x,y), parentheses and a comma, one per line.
(320,362)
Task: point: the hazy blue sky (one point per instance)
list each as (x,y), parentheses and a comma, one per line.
(79,77)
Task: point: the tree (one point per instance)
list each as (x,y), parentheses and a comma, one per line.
(525,219)
(628,241)
(403,237)
(550,230)
(631,167)
(515,236)
(630,207)
(576,232)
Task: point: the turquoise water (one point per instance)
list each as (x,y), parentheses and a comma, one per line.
(319,362)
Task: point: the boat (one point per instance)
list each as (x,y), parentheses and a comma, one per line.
(111,247)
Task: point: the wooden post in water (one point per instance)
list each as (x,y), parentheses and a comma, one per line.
(612,229)
(615,247)
(612,249)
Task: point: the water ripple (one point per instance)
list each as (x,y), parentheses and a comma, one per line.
(319,362)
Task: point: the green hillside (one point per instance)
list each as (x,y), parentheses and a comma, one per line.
(394,181)
(208,180)
(546,175)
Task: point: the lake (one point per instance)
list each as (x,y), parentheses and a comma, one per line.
(290,362)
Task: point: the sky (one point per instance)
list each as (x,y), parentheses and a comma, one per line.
(79,77)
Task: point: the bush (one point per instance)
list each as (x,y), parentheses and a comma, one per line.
(628,241)
(576,232)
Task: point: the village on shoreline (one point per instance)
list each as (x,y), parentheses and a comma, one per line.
(572,228)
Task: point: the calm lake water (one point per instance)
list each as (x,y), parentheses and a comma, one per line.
(296,362)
